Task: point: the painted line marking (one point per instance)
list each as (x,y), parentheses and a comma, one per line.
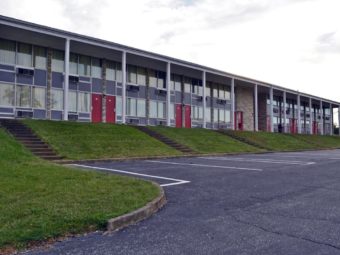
(335,158)
(270,161)
(175,181)
(202,165)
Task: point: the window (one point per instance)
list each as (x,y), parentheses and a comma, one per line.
(227,116)
(111,71)
(119,74)
(161,80)
(57,99)
(72,101)
(7,52)
(39,97)
(221,114)
(132,74)
(58,61)
(152,78)
(23,98)
(177,83)
(161,110)
(207,91)
(73,63)
(84,67)
(83,102)
(224,93)
(119,106)
(215,115)
(187,85)
(141,76)
(96,68)
(215,91)
(197,112)
(131,105)
(153,109)
(141,106)
(6,94)
(208,114)
(24,56)
(40,57)
(172,111)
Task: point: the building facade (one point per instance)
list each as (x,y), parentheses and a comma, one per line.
(47,73)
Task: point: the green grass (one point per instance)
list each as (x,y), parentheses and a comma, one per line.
(40,200)
(92,141)
(204,140)
(323,142)
(275,141)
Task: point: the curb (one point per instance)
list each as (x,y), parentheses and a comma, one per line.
(140,214)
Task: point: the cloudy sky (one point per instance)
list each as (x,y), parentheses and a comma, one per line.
(292,43)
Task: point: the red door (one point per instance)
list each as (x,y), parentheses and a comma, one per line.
(96,108)
(268,124)
(187,116)
(293,126)
(110,109)
(179,116)
(315,127)
(238,120)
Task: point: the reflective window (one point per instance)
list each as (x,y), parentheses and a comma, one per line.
(172,111)
(208,114)
(161,110)
(57,97)
(207,90)
(132,74)
(161,80)
(152,78)
(131,105)
(177,83)
(7,52)
(39,97)
(141,76)
(141,107)
(84,67)
(119,106)
(96,68)
(57,61)
(83,102)
(73,63)
(215,91)
(40,59)
(23,96)
(111,70)
(24,55)
(119,74)
(187,85)
(72,101)
(153,109)
(6,95)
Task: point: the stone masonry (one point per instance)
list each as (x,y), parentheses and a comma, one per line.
(245,104)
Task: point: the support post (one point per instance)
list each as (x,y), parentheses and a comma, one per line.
(124,87)
(332,121)
(256,108)
(311,120)
(321,118)
(299,113)
(204,81)
(232,117)
(168,94)
(66,77)
(339,118)
(271,109)
(284,112)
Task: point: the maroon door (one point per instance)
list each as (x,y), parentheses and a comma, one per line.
(187,116)
(179,116)
(238,120)
(96,108)
(110,109)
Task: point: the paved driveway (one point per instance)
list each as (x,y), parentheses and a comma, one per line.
(278,203)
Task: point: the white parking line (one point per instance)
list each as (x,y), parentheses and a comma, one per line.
(202,165)
(270,161)
(175,181)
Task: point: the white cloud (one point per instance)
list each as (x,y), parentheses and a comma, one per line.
(292,43)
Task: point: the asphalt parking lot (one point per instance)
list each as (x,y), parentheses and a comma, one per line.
(276,203)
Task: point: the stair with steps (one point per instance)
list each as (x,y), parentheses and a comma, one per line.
(30,140)
(165,140)
(241,139)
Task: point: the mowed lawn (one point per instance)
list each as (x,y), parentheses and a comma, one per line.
(41,200)
(275,141)
(321,141)
(75,140)
(205,140)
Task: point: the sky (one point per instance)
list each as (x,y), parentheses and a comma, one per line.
(290,43)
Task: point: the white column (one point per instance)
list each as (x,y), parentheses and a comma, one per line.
(311,119)
(299,113)
(331,111)
(321,118)
(66,77)
(339,118)
(256,108)
(168,94)
(284,111)
(271,110)
(232,113)
(124,87)
(204,81)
